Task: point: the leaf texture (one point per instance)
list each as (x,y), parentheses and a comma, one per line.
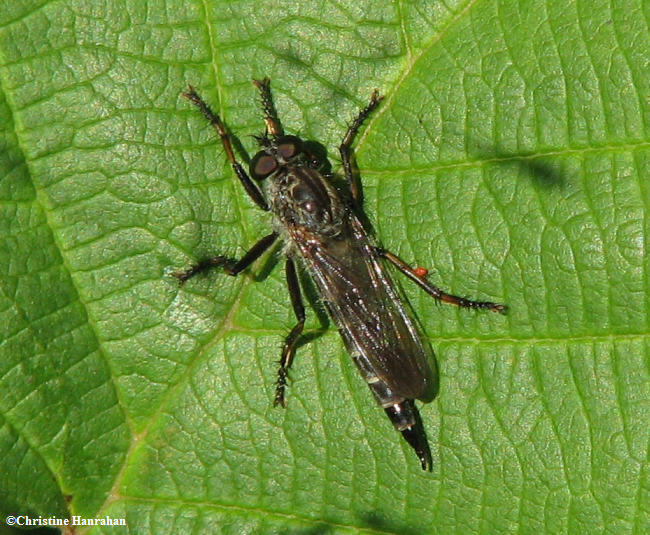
(510,156)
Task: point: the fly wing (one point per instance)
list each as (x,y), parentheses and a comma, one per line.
(365,306)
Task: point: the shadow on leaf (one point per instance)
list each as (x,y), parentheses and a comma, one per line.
(380,522)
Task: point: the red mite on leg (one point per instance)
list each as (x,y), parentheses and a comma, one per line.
(421,272)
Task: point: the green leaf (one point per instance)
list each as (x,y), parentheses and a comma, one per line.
(510,156)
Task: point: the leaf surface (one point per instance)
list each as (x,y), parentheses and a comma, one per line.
(510,156)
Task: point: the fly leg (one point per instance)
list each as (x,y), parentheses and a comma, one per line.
(230,266)
(252,190)
(289,349)
(417,275)
(346,145)
(273,125)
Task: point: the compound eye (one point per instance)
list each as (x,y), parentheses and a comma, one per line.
(263,165)
(289,146)
(314,161)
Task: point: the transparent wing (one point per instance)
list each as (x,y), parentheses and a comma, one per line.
(365,306)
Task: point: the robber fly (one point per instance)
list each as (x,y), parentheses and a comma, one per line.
(320,227)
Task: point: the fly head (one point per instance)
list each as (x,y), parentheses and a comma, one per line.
(300,195)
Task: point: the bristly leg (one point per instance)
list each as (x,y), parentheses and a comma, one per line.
(230,266)
(289,349)
(273,125)
(417,275)
(203,266)
(346,145)
(252,190)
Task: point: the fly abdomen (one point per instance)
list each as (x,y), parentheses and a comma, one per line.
(382,392)
(402,412)
(406,419)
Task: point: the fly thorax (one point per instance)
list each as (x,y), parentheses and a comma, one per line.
(303,197)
